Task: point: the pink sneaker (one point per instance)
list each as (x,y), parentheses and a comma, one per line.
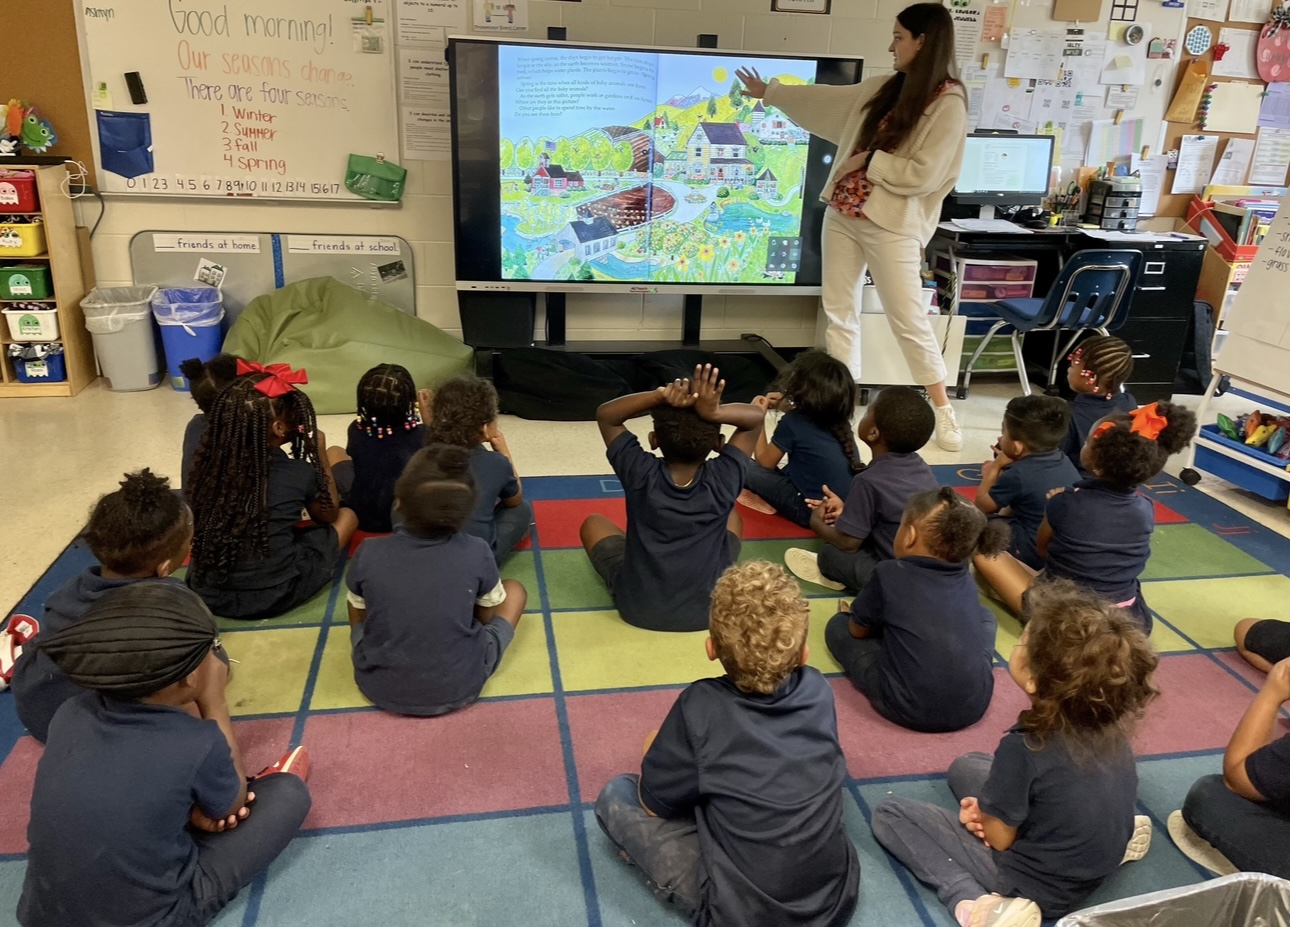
(296,762)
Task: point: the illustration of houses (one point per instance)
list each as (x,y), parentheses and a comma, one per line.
(768,184)
(588,238)
(552,179)
(716,151)
(775,129)
(676,165)
(757,116)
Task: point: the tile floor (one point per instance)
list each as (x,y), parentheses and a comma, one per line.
(60,455)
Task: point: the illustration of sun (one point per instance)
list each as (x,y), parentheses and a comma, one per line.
(720,75)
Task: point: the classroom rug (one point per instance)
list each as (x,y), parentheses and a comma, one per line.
(484,817)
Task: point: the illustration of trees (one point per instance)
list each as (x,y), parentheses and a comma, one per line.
(580,153)
(524,158)
(735,96)
(506,154)
(712,107)
(623,156)
(563,152)
(602,152)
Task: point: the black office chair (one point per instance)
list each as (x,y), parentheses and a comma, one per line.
(1092,292)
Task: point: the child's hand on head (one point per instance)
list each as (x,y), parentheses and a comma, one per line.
(708,389)
(493,435)
(677,394)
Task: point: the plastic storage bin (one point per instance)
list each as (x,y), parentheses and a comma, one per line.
(119,319)
(22,239)
(25,281)
(1244,899)
(18,191)
(1243,475)
(31,324)
(38,363)
(190,326)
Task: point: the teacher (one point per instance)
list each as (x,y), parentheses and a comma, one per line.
(905,135)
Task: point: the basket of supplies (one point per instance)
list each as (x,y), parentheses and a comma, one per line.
(38,363)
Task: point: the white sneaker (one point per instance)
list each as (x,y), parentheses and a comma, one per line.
(1196,848)
(1140,842)
(806,566)
(997,911)
(948,435)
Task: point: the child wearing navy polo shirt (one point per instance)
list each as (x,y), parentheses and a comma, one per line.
(205,380)
(1028,465)
(860,533)
(682,529)
(1240,821)
(1099,533)
(917,641)
(1040,824)
(1098,370)
(736,816)
(429,616)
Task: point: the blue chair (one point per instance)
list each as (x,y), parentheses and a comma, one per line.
(1092,293)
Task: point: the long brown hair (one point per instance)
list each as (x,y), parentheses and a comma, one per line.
(906,94)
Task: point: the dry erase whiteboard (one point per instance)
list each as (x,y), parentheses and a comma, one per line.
(262,98)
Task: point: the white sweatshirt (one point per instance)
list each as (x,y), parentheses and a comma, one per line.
(909,183)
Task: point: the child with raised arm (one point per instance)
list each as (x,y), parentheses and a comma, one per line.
(736,816)
(682,529)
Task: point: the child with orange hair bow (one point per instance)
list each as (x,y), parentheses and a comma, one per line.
(1099,533)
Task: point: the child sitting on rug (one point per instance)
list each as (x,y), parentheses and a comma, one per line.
(429,616)
(141,811)
(1041,823)
(1262,643)
(379,444)
(818,398)
(917,641)
(1027,466)
(736,816)
(205,380)
(859,533)
(1099,533)
(1240,821)
(1098,369)
(250,558)
(682,529)
(140,532)
(465,414)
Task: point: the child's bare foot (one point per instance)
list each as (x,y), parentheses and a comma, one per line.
(997,911)
(750,500)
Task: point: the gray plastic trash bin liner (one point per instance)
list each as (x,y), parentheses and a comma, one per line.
(1244,899)
(119,319)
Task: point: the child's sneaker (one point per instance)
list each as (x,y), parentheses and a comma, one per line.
(805,566)
(750,500)
(1140,842)
(1196,848)
(296,762)
(997,911)
(21,629)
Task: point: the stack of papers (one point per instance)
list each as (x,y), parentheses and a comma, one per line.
(988,225)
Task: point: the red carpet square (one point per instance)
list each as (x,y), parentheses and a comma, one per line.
(608,731)
(1199,706)
(371,767)
(1234,661)
(1166,515)
(558,520)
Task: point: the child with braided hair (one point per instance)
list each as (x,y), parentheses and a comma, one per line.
(1098,369)
(388,430)
(818,396)
(250,558)
(205,380)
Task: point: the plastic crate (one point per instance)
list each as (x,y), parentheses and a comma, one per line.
(18,191)
(31,324)
(22,239)
(25,281)
(1247,477)
(49,369)
(1200,216)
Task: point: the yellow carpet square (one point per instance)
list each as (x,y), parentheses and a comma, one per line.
(598,650)
(273,664)
(1206,609)
(1163,638)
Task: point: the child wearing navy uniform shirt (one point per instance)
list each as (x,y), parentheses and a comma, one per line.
(736,815)
(141,532)
(1041,823)
(1099,533)
(1240,821)
(1098,369)
(917,641)
(682,530)
(860,533)
(429,616)
(1027,467)
(205,380)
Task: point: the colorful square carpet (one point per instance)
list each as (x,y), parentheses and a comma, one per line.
(484,817)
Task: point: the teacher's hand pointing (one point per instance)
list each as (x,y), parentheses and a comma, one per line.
(754,86)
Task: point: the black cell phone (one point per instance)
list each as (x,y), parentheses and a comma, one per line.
(135,84)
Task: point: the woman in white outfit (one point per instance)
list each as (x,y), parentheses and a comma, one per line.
(900,144)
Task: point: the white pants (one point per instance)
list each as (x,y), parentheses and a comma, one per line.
(850,245)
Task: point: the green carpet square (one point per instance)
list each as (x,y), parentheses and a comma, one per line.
(1183,551)
(571,582)
(310,613)
(521,565)
(1207,609)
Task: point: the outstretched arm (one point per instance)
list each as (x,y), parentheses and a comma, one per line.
(747,417)
(612,414)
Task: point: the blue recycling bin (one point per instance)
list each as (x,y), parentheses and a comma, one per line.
(189,319)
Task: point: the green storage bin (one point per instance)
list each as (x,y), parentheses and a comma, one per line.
(25,281)
(998,357)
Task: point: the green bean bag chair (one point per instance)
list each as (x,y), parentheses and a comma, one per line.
(337,333)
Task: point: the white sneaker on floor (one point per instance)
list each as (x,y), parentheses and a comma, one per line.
(806,566)
(1140,842)
(997,911)
(948,436)
(1196,848)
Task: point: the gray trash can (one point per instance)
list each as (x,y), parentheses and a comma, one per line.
(1244,899)
(120,320)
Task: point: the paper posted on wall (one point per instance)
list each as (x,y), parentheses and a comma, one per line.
(1195,163)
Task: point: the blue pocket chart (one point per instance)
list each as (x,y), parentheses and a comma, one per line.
(125,142)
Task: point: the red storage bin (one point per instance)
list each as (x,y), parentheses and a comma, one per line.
(18,192)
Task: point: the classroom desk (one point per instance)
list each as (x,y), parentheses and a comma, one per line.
(1157,319)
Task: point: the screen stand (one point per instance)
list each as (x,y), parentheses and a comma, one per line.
(691,320)
(987,212)
(555,319)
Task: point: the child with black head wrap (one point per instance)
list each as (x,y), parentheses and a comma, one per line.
(141,812)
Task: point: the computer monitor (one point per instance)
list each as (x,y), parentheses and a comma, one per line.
(1004,170)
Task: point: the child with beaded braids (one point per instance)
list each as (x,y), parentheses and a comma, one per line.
(1099,367)
(250,560)
(1099,532)
(381,441)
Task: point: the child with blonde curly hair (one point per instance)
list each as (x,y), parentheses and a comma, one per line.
(736,816)
(1044,821)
